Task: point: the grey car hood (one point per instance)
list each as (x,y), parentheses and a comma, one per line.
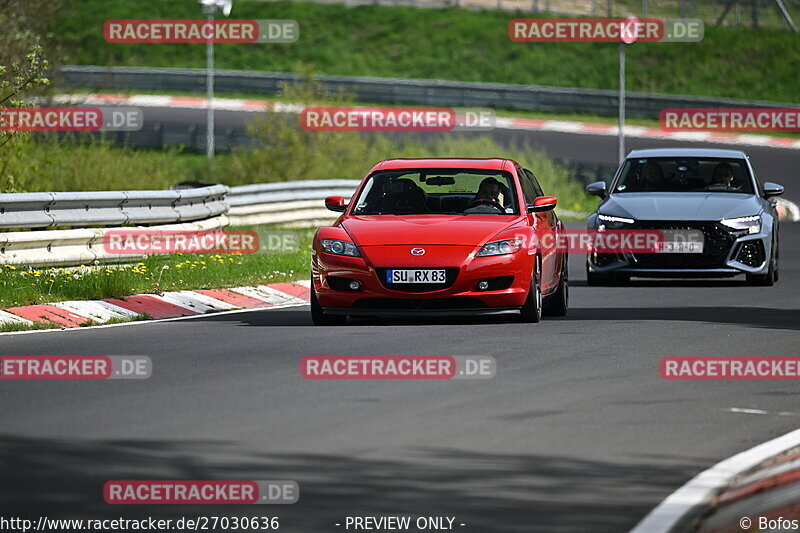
(680,205)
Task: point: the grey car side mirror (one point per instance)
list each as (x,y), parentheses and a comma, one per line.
(598,188)
(772,189)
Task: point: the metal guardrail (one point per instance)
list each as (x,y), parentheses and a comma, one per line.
(297,203)
(199,209)
(290,203)
(79,246)
(110,208)
(396,90)
(94,213)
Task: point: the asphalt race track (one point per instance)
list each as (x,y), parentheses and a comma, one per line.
(577,432)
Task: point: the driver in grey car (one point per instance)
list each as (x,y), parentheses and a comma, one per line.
(654,179)
(723,175)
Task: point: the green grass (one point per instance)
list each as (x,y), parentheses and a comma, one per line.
(453,44)
(4,328)
(61,166)
(28,286)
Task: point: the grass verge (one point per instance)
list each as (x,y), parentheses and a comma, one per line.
(5,328)
(452,44)
(58,165)
(29,286)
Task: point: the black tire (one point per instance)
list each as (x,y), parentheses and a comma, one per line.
(621,277)
(777,260)
(768,279)
(596,279)
(558,303)
(531,310)
(763,280)
(319,318)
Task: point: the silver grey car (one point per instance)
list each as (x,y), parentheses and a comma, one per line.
(714,194)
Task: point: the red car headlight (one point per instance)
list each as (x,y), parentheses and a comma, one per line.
(501,247)
(337,247)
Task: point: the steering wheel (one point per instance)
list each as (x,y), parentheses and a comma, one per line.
(721,187)
(481,201)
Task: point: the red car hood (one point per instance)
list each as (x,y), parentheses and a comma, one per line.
(467,230)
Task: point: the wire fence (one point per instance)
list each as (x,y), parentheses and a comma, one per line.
(753,13)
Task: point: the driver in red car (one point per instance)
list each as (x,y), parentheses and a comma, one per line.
(488,200)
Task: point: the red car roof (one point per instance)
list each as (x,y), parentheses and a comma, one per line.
(489,164)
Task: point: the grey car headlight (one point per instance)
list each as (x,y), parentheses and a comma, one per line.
(615,220)
(337,247)
(612,222)
(750,224)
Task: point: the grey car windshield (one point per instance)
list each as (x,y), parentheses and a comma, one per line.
(685,174)
(437,191)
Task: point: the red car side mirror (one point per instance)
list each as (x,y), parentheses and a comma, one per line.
(336,203)
(543,203)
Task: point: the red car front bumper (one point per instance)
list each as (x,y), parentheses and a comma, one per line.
(509,275)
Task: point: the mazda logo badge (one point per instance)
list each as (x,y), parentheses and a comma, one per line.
(418,251)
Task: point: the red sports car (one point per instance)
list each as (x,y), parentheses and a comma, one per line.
(426,237)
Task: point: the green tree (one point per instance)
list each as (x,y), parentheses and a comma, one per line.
(286,151)
(23,67)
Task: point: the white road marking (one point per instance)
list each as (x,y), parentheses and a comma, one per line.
(101,311)
(702,487)
(152,321)
(749,411)
(10,318)
(267,295)
(96,311)
(214,303)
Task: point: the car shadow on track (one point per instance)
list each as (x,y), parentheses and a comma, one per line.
(653,283)
(490,492)
(754,317)
(301,316)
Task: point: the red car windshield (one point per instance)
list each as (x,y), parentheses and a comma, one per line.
(438,192)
